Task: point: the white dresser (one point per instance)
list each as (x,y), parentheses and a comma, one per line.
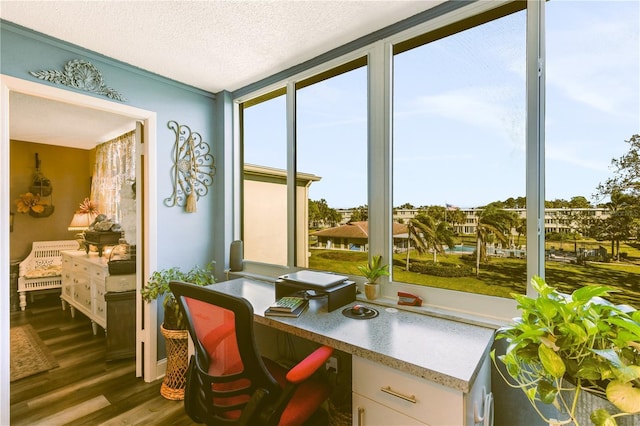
(85,281)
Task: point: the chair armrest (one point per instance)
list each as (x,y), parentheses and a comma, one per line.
(305,368)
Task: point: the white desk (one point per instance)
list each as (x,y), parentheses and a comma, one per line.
(448,355)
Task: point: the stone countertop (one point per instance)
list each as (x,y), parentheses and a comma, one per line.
(443,351)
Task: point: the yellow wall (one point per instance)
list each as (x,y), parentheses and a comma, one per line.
(68,169)
(265,222)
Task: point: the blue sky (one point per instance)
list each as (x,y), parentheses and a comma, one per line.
(459,113)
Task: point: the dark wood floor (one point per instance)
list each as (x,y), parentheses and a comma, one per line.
(84,389)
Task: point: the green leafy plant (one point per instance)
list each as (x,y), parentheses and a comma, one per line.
(579,342)
(374,269)
(158,285)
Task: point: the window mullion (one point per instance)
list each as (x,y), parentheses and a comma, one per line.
(291,174)
(535,140)
(379,153)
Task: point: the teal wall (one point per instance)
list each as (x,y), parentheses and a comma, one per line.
(184,239)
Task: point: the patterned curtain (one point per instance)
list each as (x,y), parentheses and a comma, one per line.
(115,167)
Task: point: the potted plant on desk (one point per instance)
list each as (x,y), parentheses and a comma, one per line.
(373,270)
(567,349)
(174,327)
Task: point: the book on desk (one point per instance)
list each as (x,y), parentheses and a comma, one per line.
(288,306)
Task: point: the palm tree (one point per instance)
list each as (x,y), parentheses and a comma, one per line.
(414,230)
(428,233)
(521,228)
(493,223)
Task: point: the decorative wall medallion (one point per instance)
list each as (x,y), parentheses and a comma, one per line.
(82,75)
(193,168)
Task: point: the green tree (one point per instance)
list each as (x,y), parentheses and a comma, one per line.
(579,202)
(408,206)
(623,191)
(320,214)
(626,172)
(428,233)
(521,228)
(414,230)
(360,214)
(436,212)
(456,217)
(493,224)
(618,225)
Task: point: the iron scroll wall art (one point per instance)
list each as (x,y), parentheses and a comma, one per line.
(82,75)
(193,168)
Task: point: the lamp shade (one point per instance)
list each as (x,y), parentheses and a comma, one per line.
(81,221)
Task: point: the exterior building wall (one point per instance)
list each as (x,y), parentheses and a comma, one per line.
(265,216)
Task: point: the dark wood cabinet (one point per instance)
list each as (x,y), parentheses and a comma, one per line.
(121,324)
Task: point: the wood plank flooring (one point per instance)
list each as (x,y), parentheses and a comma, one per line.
(84,389)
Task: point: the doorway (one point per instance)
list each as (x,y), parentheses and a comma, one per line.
(145,167)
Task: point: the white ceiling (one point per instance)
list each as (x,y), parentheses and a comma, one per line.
(40,120)
(213,45)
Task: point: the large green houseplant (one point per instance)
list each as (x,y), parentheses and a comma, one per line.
(174,327)
(564,345)
(158,285)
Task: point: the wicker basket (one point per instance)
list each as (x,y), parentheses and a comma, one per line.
(339,414)
(175,378)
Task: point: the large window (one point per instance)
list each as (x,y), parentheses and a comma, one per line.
(331,143)
(592,109)
(330,147)
(459,158)
(264,211)
(436,141)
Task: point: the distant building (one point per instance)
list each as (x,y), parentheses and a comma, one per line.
(355,236)
(557,220)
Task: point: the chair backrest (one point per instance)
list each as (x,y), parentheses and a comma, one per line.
(221,327)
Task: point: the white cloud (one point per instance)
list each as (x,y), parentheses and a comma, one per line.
(584,52)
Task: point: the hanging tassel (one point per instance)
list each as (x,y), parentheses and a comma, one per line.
(191,201)
(191,198)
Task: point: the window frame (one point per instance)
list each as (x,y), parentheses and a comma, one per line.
(487,309)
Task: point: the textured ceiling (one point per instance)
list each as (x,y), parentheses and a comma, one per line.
(212,45)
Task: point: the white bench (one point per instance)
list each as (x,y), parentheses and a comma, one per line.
(42,269)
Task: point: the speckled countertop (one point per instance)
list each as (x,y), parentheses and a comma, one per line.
(440,350)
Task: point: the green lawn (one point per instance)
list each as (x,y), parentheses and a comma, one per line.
(500,276)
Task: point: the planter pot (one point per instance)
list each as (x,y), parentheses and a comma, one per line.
(588,402)
(371,291)
(175,378)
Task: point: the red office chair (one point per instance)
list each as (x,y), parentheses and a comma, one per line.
(228,382)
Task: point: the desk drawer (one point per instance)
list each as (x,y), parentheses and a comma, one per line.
(80,265)
(369,413)
(100,307)
(82,295)
(99,273)
(426,401)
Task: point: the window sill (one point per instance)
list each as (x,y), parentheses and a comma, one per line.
(462,317)
(390,302)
